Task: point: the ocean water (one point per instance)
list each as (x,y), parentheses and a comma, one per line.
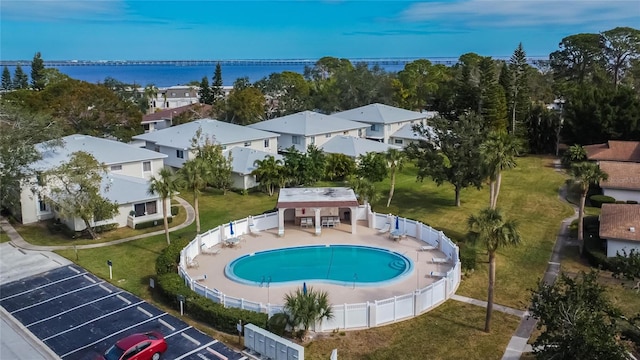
(170,75)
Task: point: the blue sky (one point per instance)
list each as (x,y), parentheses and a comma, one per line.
(166,29)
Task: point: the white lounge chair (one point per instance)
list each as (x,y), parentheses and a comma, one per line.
(437,274)
(427,248)
(440,260)
(253,231)
(211,251)
(199,277)
(385,229)
(192,263)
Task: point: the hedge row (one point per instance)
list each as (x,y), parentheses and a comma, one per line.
(152,223)
(202,309)
(170,285)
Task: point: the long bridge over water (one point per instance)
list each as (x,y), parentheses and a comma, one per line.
(243,62)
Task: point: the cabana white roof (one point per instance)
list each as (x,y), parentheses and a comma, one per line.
(316,197)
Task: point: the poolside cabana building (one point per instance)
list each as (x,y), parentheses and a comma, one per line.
(317,208)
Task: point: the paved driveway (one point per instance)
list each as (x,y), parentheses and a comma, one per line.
(78,316)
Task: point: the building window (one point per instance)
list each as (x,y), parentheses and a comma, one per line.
(180,154)
(116,167)
(247,143)
(42,205)
(156,148)
(398,141)
(147,208)
(224,147)
(186,94)
(327,135)
(295,139)
(266,143)
(146,166)
(359,132)
(345,133)
(374,127)
(313,140)
(145,127)
(173,94)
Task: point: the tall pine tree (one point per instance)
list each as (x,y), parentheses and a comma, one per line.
(205,92)
(6,79)
(37,72)
(20,79)
(217,92)
(520,103)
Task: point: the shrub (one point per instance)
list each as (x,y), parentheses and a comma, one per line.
(167,261)
(468,256)
(593,251)
(598,200)
(277,323)
(152,223)
(620,202)
(631,202)
(175,210)
(106,227)
(205,310)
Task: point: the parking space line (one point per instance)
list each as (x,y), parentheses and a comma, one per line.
(166,324)
(196,350)
(74,269)
(145,311)
(90,279)
(217,354)
(53,298)
(191,339)
(69,310)
(203,357)
(123,299)
(177,332)
(41,287)
(106,288)
(112,334)
(89,322)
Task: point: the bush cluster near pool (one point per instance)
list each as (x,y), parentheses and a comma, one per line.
(170,285)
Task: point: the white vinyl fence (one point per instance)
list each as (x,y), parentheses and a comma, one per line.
(345,316)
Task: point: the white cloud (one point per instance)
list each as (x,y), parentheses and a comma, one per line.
(501,13)
(60,10)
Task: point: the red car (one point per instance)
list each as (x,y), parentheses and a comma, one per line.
(145,346)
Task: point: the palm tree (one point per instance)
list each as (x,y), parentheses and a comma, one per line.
(498,152)
(166,186)
(305,308)
(489,228)
(193,176)
(364,189)
(269,172)
(395,158)
(585,174)
(150,93)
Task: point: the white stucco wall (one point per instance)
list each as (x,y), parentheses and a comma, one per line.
(616,245)
(622,195)
(135,169)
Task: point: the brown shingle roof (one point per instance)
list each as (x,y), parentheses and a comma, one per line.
(167,114)
(622,175)
(614,151)
(616,221)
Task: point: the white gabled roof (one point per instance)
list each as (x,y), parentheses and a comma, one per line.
(406,132)
(126,189)
(104,150)
(308,123)
(382,114)
(223,133)
(354,146)
(243,159)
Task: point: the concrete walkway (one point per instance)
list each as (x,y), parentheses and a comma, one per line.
(518,343)
(19,242)
(496,307)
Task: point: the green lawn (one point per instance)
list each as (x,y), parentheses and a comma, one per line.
(451,331)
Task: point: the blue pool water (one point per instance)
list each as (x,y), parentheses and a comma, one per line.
(335,264)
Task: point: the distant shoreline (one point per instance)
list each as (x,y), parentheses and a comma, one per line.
(244,62)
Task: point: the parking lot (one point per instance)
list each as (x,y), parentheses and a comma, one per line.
(79,316)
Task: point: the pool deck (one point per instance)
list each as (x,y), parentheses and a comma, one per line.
(213,265)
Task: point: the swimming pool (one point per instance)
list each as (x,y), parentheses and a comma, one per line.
(334,264)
